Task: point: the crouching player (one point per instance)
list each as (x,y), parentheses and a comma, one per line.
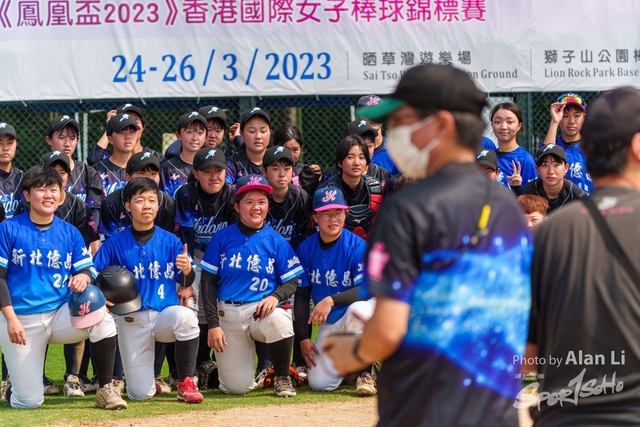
(159,262)
(42,260)
(333,260)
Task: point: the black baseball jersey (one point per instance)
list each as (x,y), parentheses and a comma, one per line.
(239,165)
(98,153)
(10,190)
(75,212)
(373,170)
(174,173)
(112,176)
(570,191)
(85,183)
(200,215)
(114,217)
(290,218)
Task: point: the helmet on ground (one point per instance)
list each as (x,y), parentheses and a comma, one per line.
(87,308)
(119,287)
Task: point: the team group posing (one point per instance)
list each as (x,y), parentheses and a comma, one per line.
(228,248)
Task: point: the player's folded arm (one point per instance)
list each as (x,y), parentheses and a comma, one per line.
(209,295)
(5,296)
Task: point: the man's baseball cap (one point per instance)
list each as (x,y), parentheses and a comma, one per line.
(329,198)
(121,121)
(211,112)
(249,114)
(360,128)
(552,149)
(129,108)
(613,116)
(186,119)
(56,156)
(60,122)
(573,98)
(368,100)
(7,129)
(206,157)
(252,182)
(430,87)
(141,160)
(487,158)
(276,153)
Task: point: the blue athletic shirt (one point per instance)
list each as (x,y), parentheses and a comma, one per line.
(332,271)
(249,267)
(488,144)
(527,164)
(173,174)
(381,158)
(577,165)
(40,263)
(152,263)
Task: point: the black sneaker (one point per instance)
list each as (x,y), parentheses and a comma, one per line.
(284,386)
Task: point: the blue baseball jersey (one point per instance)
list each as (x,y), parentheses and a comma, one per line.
(527,164)
(112,176)
(173,174)
(239,165)
(39,263)
(334,270)
(381,158)
(488,144)
(577,165)
(249,267)
(152,263)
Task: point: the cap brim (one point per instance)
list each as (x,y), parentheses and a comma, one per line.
(6,132)
(487,163)
(260,187)
(283,157)
(206,165)
(327,207)
(89,320)
(379,113)
(142,165)
(127,307)
(582,107)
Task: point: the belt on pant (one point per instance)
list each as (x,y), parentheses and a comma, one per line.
(236,303)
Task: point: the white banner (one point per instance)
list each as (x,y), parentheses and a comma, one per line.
(92,49)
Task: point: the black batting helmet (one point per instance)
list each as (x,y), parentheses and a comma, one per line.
(119,286)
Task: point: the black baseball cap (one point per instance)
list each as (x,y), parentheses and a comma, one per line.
(210,112)
(249,114)
(186,119)
(430,87)
(129,108)
(121,121)
(7,129)
(60,122)
(276,153)
(613,116)
(553,149)
(206,157)
(487,158)
(141,160)
(56,156)
(360,128)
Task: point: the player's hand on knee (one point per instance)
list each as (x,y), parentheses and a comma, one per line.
(216,339)
(266,307)
(307,348)
(321,312)
(16,332)
(79,282)
(185,293)
(183,262)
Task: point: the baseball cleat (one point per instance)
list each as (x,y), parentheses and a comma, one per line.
(162,385)
(259,381)
(365,385)
(108,397)
(284,386)
(188,391)
(49,387)
(72,387)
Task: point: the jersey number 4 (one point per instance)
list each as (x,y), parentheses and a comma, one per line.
(161,291)
(259,285)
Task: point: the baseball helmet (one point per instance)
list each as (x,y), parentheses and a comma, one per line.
(119,287)
(87,308)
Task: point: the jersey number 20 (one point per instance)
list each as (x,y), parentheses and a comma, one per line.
(263,284)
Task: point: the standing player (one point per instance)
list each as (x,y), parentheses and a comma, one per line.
(42,260)
(216,125)
(10,176)
(255,129)
(159,263)
(249,272)
(306,176)
(192,133)
(333,260)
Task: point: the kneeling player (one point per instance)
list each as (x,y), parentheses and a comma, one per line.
(333,261)
(159,261)
(42,260)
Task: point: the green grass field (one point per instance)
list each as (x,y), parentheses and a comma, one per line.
(64,410)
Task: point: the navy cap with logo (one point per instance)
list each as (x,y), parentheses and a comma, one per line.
(329,198)
(430,88)
(60,122)
(211,112)
(141,160)
(120,122)
(249,114)
(87,308)
(487,158)
(368,100)
(207,157)
(186,119)
(252,182)
(7,129)
(56,156)
(126,108)
(276,153)
(553,149)
(360,128)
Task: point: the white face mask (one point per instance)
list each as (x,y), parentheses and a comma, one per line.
(410,160)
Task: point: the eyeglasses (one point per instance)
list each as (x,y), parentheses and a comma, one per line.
(326,216)
(572,98)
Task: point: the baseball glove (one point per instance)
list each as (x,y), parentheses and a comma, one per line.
(268,380)
(208,375)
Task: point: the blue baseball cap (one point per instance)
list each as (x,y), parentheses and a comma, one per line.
(253,182)
(329,198)
(87,308)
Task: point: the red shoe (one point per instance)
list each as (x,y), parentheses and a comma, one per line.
(188,391)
